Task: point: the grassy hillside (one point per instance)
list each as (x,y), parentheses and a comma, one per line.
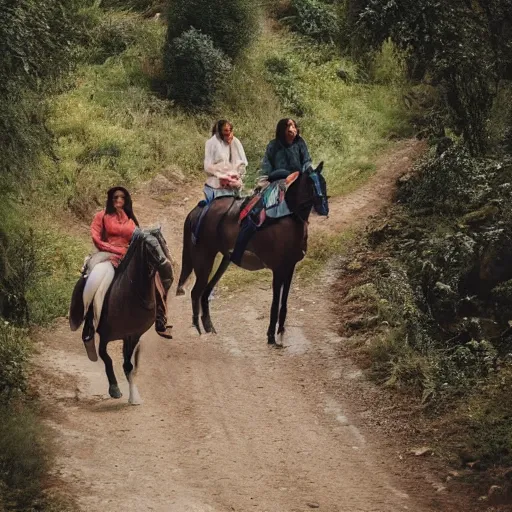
(111,127)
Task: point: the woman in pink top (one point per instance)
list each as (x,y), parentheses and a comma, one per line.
(112,230)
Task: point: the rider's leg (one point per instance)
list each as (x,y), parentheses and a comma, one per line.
(163,283)
(108,273)
(161,326)
(94,293)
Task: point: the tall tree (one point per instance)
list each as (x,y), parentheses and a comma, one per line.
(463,46)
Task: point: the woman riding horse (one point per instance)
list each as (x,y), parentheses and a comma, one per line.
(112,230)
(225,162)
(285,154)
(277,246)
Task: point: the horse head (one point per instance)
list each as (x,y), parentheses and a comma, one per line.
(320,198)
(144,255)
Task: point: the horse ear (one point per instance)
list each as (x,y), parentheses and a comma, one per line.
(320,167)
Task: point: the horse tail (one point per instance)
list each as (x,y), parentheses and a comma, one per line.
(186,255)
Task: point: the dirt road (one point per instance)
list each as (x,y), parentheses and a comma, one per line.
(227,423)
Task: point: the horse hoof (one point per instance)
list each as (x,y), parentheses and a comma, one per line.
(114,391)
(135,401)
(271,339)
(208,327)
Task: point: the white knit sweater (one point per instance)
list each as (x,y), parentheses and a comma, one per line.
(223,159)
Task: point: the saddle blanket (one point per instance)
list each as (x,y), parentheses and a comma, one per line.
(270,202)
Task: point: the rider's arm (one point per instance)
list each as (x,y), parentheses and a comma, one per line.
(304,154)
(209,155)
(241,168)
(96,232)
(266,164)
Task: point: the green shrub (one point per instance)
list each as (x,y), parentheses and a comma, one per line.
(230,25)
(195,69)
(111,36)
(452,182)
(14,354)
(20,251)
(36,38)
(312,18)
(42,267)
(24,459)
(138,5)
(282,75)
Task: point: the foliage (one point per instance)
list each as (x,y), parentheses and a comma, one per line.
(24,459)
(312,18)
(449,243)
(139,5)
(458,44)
(282,74)
(450,182)
(36,40)
(110,35)
(195,69)
(230,25)
(487,433)
(14,353)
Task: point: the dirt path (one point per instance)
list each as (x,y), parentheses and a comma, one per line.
(227,423)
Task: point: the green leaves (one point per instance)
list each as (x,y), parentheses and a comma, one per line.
(458,45)
(230,24)
(195,69)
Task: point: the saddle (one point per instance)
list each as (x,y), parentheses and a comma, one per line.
(268,202)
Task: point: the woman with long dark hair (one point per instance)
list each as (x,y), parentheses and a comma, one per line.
(287,153)
(225,162)
(112,230)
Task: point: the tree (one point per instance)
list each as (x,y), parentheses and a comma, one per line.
(36,40)
(464,47)
(231,24)
(195,69)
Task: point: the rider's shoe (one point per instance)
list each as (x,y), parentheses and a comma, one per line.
(163,330)
(88,330)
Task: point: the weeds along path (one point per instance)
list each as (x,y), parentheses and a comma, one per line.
(227,424)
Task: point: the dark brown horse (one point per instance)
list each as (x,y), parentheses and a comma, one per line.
(278,246)
(130,306)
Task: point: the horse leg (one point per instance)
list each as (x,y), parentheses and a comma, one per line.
(277,284)
(131,350)
(284,300)
(205,303)
(186,257)
(202,274)
(113,388)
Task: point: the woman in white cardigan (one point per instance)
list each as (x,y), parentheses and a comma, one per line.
(225,162)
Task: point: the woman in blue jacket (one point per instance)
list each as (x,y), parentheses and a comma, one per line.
(285,154)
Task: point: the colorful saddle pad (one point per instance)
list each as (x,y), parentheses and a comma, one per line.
(269,202)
